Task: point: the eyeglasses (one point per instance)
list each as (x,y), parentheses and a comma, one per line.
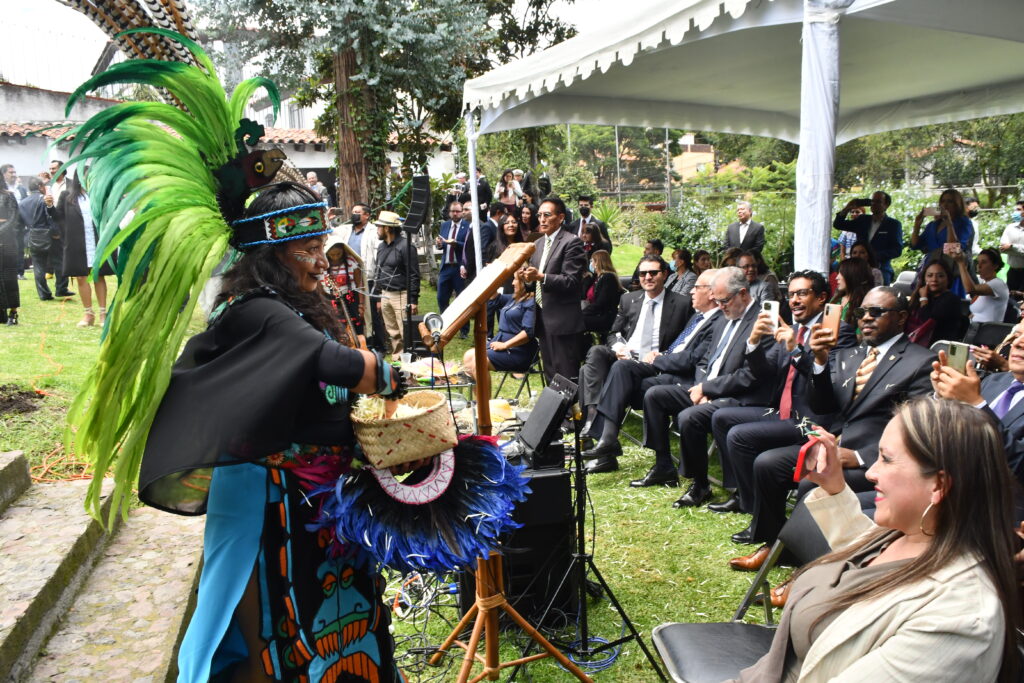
(800,293)
(546,214)
(873,311)
(702,286)
(649,273)
(725,301)
(749,266)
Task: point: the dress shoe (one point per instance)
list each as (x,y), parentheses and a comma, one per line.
(657,477)
(695,496)
(731,505)
(751,562)
(603,464)
(603,449)
(65,294)
(781,593)
(745,536)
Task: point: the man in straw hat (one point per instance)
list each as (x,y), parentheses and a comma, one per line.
(393,281)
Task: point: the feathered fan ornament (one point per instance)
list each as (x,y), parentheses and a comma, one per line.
(162,183)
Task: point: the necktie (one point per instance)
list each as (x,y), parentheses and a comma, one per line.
(786,402)
(647,340)
(722,343)
(685,334)
(543,264)
(867,366)
(1002,406)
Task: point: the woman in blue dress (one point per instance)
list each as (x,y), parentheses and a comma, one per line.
(514,344)
(951,226)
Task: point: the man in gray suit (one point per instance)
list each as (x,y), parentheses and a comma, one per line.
(557,268)
(745,233)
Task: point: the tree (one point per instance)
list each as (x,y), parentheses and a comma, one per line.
(383,67)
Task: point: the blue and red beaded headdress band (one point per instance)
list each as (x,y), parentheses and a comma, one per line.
(292,223)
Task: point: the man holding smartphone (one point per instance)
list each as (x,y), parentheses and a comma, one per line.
(999,393)
(882,232)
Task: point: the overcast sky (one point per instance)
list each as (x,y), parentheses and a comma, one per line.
(49,45)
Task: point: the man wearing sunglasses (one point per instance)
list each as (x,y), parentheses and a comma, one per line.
(557,267)
(861,386)
(648,321)
(723,378)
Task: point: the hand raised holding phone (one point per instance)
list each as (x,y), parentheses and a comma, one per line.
(819,462)
(823,340)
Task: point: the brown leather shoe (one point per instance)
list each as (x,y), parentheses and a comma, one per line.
(781,593)
(751,562)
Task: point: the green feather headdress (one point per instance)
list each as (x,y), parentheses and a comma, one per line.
(157,169)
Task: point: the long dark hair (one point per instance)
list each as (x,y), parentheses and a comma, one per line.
(527,228)
(859,281)
(968,448)
(260,267)
(503,240)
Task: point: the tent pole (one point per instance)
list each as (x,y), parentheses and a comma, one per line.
(819,108)
(618,167)
(474,196)
(668,174)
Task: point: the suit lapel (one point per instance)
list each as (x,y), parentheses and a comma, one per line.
(885,363)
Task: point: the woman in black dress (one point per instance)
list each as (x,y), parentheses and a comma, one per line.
(602,297)
(74,214)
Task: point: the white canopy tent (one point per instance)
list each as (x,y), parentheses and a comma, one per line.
(816,72)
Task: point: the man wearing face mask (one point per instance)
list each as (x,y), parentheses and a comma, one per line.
(1012,244)
(576,227)
(365,243)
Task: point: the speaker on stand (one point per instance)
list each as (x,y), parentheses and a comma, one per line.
(417,217)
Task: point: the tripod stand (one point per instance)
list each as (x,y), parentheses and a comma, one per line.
(581,564)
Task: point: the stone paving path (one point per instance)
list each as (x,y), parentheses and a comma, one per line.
(128,619)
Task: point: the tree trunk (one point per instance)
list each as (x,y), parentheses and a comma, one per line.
(353,176)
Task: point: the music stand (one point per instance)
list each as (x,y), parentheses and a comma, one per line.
(490,585)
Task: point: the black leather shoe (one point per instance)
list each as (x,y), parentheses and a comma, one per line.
(695,496)
(657,477)
(64,294)
(603,464)
(745,536)
(603,449)
(731,505)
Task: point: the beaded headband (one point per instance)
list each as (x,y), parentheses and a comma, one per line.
(292,223)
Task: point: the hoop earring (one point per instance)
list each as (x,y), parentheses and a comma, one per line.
(920,525)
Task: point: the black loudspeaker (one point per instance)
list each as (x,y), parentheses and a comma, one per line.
(419,205)
(534,441)
(537,555)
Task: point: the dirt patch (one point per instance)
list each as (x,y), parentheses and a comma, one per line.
(14,399)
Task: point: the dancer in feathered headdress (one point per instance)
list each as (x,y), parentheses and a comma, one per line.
(264,389)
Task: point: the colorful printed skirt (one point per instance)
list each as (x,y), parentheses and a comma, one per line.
(321,615)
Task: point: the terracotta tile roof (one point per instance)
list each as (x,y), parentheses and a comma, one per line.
(13,129)
(297,136)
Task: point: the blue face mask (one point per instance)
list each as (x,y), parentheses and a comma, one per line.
(591,266)
(1015,216)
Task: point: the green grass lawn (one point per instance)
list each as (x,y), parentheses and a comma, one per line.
(663,564)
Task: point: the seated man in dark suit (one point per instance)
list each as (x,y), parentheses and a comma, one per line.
(861,386)
(742,433)
(629,379)
(722,379)
(648,320)
(998,393)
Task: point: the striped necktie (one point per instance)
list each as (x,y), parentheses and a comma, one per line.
(867,367)
(539,296)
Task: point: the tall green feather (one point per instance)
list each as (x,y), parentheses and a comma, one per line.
(169,246)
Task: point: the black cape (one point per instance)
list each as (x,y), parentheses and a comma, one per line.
(247,387)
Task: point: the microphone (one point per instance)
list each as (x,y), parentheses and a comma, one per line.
(434,324)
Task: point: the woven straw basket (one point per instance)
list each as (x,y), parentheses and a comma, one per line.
(388,442)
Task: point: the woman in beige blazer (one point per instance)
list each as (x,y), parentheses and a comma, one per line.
(927,591)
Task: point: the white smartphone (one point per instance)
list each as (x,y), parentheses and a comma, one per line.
(772,307)
(932,211)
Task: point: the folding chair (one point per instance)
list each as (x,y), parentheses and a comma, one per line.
(535,368)
(706,653)
(987,334)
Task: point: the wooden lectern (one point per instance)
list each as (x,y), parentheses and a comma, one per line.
(490,586)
